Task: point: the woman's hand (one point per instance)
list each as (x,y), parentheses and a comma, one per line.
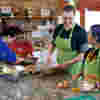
(75,60)
(49,59)
(62,66)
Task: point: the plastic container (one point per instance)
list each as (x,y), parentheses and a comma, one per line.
(44,55)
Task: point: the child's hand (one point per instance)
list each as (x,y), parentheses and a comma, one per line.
(62,66)
(19,60)
(74,77)
(64,84)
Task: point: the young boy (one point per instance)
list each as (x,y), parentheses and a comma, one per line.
(92,59)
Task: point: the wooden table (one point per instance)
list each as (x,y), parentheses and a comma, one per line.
(30,68)
(44,87)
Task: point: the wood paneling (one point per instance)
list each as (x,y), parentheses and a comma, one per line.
(92,4)
(36,3)
(28,4)
(82,17)
(5,2)
(59,12)
(35,11)
(44,3)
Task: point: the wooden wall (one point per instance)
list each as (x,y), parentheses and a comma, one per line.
(92,4)
(36,5)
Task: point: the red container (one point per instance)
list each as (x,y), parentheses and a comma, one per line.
(21,47)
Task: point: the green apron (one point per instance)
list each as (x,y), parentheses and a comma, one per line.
(98,66)
(65,53)
(92,68)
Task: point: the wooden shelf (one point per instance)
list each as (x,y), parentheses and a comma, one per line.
(43,17)
(33,17)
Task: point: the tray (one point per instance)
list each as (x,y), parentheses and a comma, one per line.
(86,87)
(81,98)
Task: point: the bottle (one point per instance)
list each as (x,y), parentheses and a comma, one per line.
(75,86)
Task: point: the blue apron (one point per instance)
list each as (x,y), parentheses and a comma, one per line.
(6,54)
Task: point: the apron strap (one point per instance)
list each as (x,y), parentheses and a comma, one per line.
(73,26)
(72,30)
(62,51)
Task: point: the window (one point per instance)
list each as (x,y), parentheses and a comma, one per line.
(91,18)
(77,17)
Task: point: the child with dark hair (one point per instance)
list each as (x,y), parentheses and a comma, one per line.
(92,56)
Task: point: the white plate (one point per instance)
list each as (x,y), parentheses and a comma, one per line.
(19,68)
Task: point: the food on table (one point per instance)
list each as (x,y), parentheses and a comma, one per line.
(63,84)
(60,85)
